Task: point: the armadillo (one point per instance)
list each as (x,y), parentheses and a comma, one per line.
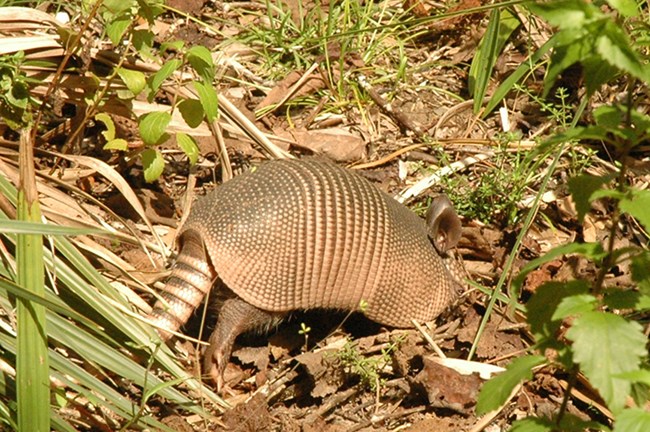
(306,234)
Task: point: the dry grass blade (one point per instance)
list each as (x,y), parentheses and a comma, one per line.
(125,189)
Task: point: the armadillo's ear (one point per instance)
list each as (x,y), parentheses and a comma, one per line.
(443,224)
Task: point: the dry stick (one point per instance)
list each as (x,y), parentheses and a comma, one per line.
(429,339)
(388,158)
(391,416)
(401,118)
(293,89)
(331,403)
(226,173)
(59,71)
(429,181)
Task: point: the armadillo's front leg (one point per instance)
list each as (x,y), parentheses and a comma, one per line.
(235,317)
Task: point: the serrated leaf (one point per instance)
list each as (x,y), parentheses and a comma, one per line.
(582,188)
(188,145)
(166,70)
(628,8)
(574,305)
(619,299)
(496,391)
(636,204)
(208,98)
(566,14)
(118,6)
(609,116)
(605,345)
(153,164)
(135,80)
(632,420)
(596,73)
(614,47)
(201,60)
(542,306)
(116,29)
(116,144)
(192,112)
(104,118)
(153,127)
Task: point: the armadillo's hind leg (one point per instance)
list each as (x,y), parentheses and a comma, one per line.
(191,279)
(235,317)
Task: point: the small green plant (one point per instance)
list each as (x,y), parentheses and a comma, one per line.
(304,331)
(16,104)
(368,369)
(153,126)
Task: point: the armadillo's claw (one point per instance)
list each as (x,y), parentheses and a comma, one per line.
(235,317)
(215,370)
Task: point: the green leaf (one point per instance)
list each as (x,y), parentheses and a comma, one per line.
(166,70)
(201,60)
(628,8)
(582,189)
(566,14)
(575,305)
(615,48)
(153,127)
(208,98)
(542,310)
(502,24)
(639,376)
(142,41)
(495,392)
(188,145)
(116,28)
(174,46)
(107,120)
(637,205)
(605,345)
(616,298)
(533,424)
(118,6)
(192,112)
(569,423)
(641,272)
(632,420)
(116,144)
(135,80)
(153,164)
(596,73)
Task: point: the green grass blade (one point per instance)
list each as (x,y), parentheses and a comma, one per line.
(32,366)
(501,26)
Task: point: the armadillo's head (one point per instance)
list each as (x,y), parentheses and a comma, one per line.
(445,230)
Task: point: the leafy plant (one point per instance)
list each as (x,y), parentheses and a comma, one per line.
(604,341)
(368,369)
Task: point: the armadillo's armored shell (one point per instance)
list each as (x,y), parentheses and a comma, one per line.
(306,234)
